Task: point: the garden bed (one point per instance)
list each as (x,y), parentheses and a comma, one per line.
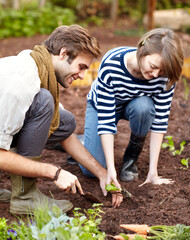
(151,204)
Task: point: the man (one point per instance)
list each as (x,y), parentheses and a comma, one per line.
(32,117)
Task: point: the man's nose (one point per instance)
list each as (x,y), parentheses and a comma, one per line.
(81,74)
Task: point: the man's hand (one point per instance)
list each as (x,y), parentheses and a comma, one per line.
(68,182)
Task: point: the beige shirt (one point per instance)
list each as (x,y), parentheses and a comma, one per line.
(19,83)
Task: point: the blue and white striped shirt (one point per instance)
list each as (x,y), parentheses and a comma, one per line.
(115,86)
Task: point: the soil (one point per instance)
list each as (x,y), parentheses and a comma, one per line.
(150,204)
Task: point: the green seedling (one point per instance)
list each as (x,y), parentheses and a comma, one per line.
(178,152)
(185,162)
(112,187)
(170,145)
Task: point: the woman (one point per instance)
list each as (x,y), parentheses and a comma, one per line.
(135,84)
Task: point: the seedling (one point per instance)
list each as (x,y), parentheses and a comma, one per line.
(178,152)
(185,162)
(170,145)
(112,187)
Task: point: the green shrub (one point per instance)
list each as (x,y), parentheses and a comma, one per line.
(28,22)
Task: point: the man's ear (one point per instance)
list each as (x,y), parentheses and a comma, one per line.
(62,53)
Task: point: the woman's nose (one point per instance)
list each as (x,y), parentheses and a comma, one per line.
(156,73)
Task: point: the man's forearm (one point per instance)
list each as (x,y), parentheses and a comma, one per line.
(75,148)
(17,164)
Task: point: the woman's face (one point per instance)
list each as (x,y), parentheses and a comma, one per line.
(151,66)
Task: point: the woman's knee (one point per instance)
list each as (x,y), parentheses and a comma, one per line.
(141,115)
(142,108)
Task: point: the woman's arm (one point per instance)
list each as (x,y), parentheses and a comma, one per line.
(155,146)
(108,148)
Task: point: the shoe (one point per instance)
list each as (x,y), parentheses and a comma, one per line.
(71,160)
(5,195)
(129,174)
(129,171)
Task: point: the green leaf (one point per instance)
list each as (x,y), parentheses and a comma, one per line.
(185,162)
(111,187)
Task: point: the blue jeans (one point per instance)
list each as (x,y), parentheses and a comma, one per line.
(140,113)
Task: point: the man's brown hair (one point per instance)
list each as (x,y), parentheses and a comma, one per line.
(75,39)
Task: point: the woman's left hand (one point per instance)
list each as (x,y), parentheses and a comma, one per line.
(157,180)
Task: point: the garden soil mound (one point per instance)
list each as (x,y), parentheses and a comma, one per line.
(151,204)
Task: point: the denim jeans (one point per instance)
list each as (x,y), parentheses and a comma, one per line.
(140,113)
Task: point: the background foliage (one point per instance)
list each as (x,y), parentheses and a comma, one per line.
(30,20)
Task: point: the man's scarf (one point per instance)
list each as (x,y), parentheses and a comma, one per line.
(48,79)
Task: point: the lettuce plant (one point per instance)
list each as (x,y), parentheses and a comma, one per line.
(170,145)
(54,225)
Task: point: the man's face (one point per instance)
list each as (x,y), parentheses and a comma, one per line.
(67,72)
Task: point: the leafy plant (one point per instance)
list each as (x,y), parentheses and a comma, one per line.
(170,145)
(55,225)
(3,229)
(159,232)
(178,152)
(162,232)
(29,21)
(185,162)
(111,187)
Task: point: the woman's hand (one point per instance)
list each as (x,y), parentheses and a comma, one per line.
(117,197)
(155,179)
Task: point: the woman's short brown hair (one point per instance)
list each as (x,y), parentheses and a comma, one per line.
(75,39)
(167,43)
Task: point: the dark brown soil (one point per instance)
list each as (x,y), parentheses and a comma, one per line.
(151,204)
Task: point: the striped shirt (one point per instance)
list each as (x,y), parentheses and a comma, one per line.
(115,86)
